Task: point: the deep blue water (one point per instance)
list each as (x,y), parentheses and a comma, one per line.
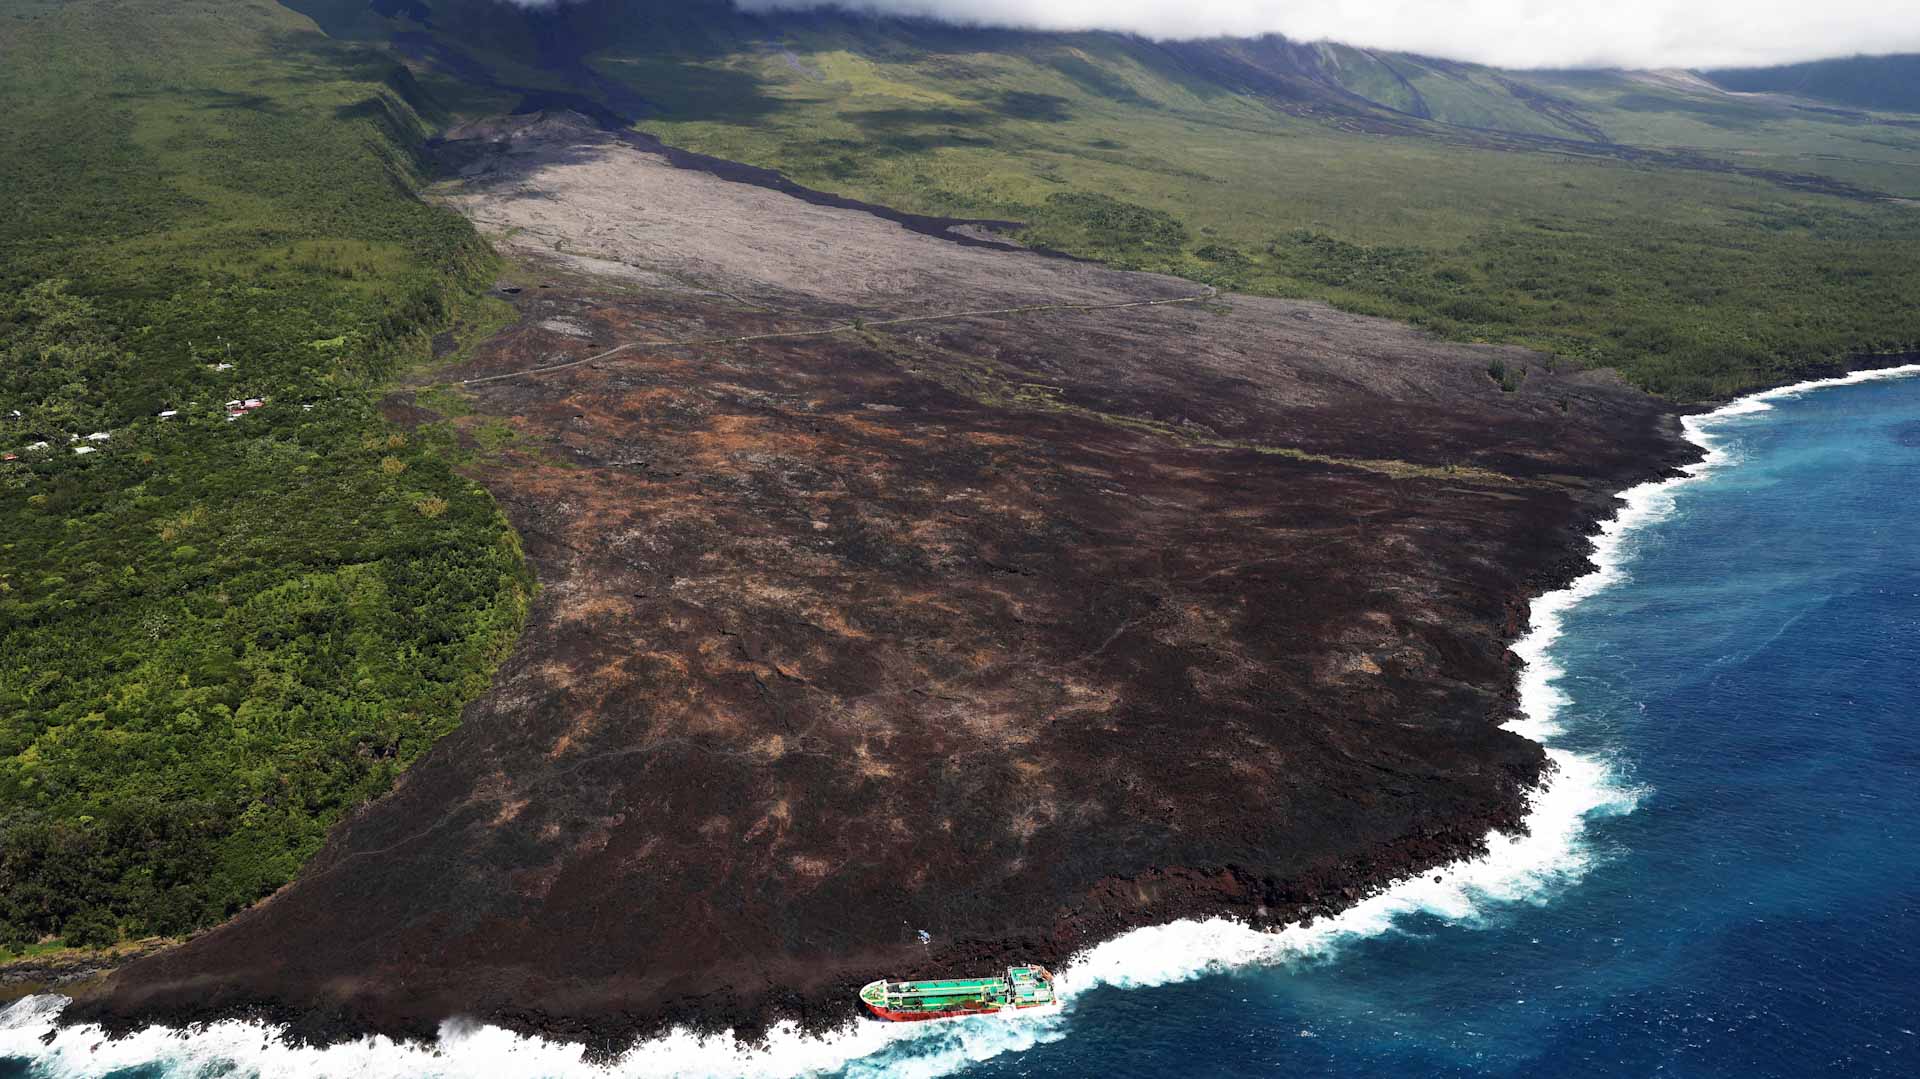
(1758,913)
(1757,680)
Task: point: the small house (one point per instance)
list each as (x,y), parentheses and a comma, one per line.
(169,413)
(85,449)
(99,436)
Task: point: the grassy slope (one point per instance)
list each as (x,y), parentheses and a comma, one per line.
(217,637)
(1473,202)
(1868,82)
(1693,283)
(1882,153)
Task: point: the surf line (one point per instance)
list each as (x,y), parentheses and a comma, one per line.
(1514,868)
(839,327)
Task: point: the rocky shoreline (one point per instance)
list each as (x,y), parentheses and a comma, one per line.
(69,971)
(1026,630)
(1109,911)
(1227,891)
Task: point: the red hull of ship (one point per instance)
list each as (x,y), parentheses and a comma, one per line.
(892,1016)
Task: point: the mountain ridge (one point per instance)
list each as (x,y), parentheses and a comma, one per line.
(1290,73)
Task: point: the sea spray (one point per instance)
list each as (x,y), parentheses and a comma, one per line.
(237,1048)
(1528,868)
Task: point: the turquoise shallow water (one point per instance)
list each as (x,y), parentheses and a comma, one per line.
(1743,703)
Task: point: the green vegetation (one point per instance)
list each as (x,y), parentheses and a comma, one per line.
(1694,280)
(217,637)
(1097,225)
(1648,223)
(1872,82)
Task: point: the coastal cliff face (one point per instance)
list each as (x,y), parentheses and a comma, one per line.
(1021,627)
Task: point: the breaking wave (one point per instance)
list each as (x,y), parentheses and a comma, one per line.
(1529,868)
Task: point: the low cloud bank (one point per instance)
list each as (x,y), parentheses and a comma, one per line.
(1507,33)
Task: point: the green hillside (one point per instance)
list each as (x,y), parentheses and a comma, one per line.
(1700,242)
(217,636)
(1867,82)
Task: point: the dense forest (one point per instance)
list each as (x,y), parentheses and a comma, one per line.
(223,628)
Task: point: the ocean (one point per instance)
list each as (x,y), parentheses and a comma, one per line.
(1723,879)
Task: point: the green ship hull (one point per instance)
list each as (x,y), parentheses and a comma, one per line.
(1020,988)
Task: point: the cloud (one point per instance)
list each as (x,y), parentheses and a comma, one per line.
(1508,33)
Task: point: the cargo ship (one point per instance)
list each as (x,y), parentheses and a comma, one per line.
(908,1002)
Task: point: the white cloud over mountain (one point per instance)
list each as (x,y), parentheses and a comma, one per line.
(1509,33)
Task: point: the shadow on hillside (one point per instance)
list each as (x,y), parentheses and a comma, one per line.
(907,131)
(1046,108)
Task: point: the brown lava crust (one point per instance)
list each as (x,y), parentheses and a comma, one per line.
(1019,630)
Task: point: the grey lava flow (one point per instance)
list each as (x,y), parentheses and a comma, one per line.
(1021,629)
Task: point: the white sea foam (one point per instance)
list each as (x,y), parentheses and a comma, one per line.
(1527,868)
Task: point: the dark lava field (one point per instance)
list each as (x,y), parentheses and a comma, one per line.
(1021,629)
